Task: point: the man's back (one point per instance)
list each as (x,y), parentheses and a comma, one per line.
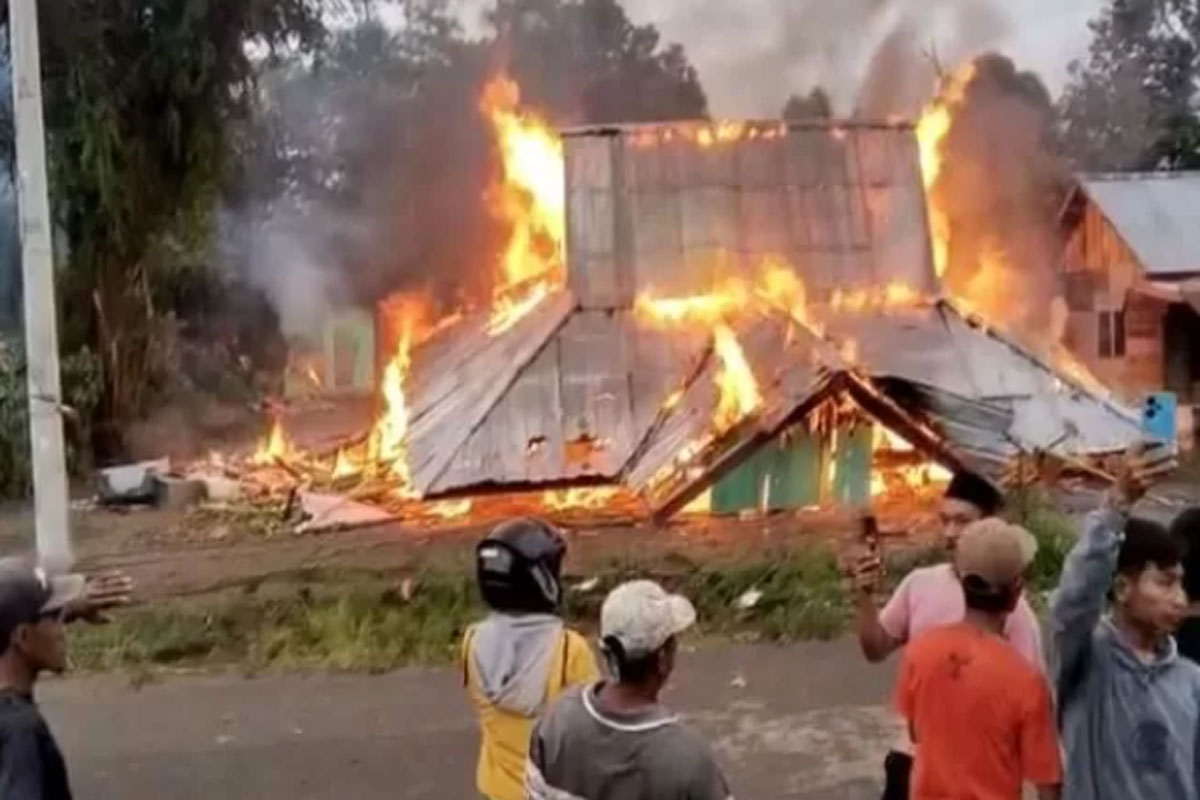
(580,751)
(981,716)
(31,766)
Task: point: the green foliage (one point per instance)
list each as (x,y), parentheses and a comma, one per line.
(1131,105)
(1034,510)
(372,622)
(81,383)
(140,98)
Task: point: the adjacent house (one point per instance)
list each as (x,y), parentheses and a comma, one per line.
(1131,273)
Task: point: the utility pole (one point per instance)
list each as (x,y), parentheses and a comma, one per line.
(37,265)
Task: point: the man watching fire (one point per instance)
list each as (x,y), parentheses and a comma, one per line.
(932,597)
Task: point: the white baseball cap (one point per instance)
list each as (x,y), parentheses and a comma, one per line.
(642,616)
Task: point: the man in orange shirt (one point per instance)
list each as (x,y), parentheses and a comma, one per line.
(980,715)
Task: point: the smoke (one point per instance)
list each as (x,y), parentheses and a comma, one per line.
(363,177)
(1001,184)
(875,57)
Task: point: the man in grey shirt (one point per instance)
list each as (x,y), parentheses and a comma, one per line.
(612,740)
(1130,706)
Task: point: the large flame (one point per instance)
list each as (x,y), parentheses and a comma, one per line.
(739,395)
(530,199)
(932,130)
(407,317)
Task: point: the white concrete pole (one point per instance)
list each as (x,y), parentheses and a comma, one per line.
(37,266)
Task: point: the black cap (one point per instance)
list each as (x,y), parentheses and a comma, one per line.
(27,593)
(978,491)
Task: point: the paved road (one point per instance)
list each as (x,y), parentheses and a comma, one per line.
(799,722)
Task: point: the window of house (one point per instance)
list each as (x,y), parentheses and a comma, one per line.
(1112,333)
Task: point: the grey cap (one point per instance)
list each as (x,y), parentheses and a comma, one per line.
(27,593)
(642,616)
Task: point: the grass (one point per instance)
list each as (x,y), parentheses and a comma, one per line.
(370,622)
(361,621)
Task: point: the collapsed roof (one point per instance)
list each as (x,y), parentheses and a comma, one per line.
(585,390)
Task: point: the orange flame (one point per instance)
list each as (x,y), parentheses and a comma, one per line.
(579,499)
(913,476)
(345,465)
(388,444)
(932,129)
(740,396)
(530,200)
(450,509)
(275,447)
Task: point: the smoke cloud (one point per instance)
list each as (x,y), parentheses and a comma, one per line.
(868,55)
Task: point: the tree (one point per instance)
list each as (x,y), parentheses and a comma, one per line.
(140,98)
(1130,105)
(587,63)
(813,106)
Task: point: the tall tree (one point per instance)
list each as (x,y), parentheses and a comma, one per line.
(586,62)
(1130,106)
(813,106)
(139,102)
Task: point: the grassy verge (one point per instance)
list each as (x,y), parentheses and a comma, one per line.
(372,622)
(375,622)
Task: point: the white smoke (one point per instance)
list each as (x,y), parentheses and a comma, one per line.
(857,50)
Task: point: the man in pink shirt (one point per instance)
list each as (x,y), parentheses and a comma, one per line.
(928,598)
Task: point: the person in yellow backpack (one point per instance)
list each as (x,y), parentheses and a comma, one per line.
(521,656)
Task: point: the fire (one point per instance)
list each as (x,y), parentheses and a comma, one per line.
(880,298)
(913,476)
(388,445)
(932,130)
(740,396)
(705,308)
(530,200)
(345,466)
(274,448)
(450,509)
(508,311)
(577,499)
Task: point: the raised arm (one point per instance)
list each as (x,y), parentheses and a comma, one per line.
(1078,602)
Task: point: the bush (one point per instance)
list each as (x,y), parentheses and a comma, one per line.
(81,381)
(1055,533)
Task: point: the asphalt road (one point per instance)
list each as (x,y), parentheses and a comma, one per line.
(804,721)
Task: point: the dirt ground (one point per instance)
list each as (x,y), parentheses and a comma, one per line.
(196,553)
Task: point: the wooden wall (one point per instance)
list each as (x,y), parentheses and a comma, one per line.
(1100,271)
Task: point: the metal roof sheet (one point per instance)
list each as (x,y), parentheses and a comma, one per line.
(1156,214)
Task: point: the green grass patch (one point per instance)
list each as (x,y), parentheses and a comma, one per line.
(1055,533)
(371,622)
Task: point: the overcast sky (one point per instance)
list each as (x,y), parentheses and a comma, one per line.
(752,53)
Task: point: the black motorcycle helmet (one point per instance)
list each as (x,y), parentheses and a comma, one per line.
(518,566)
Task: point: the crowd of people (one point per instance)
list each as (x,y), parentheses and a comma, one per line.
(1108,710)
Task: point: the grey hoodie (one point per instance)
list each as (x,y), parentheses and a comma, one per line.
(1129,727)
(512,659)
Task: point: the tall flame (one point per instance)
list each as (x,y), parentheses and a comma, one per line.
(740,396)
(407,317)
(530,199)
(932,130)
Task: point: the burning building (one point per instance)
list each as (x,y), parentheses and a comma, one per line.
(748,312)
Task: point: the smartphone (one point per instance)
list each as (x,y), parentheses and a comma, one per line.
(869,532)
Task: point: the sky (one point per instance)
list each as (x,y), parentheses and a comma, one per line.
(752,53)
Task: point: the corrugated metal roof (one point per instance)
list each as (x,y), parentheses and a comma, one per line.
(580,396)
(1156,214)
(662,207)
